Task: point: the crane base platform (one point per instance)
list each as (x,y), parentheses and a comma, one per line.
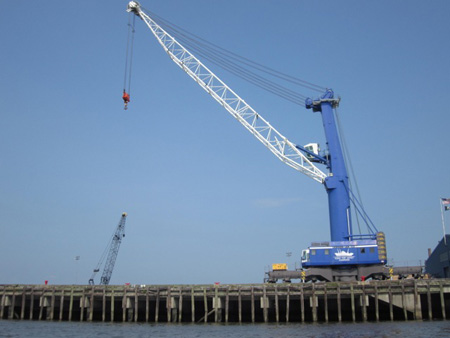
(330,274)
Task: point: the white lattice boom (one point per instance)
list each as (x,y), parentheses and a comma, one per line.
(285,150)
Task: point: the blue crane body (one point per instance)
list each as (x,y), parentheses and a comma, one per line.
(348,256)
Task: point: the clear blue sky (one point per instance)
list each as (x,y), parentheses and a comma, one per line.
(206,201)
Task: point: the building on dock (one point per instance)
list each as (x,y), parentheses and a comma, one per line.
(438,262)
(303,302)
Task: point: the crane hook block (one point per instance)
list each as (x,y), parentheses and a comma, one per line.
(126,99)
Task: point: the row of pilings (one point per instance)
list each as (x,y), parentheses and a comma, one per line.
(305,302)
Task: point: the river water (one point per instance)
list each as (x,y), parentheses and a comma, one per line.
(44,329)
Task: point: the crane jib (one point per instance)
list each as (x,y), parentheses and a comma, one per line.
(278,144)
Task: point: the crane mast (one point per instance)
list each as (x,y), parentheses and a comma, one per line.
(336,183)
(113,250)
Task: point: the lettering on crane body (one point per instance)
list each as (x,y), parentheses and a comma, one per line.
(344,256)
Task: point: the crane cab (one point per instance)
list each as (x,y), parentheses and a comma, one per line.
(313,148)
(305,256)
(358,252)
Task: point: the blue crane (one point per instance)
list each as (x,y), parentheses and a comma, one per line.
(347,256)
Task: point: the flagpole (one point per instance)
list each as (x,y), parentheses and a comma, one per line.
(443,224)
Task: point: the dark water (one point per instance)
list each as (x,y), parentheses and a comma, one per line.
(43,329)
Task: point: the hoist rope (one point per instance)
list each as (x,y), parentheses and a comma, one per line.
(236,64)
(250,76)
(129,54)
(227,64)
(242,59)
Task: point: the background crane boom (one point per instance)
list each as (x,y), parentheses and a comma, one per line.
(112,249)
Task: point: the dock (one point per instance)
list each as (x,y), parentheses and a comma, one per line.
(374,301)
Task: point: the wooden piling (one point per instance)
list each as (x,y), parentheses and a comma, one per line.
(112,305)
(104,304)
(51,316)
(157,305)
(287,303)
(352,296)
(147,305)
(84,308)
(12,306)
(192,306)
(252,292)
(314,303)
(377,306)
(430,309)
(41,305)
(124,306)
(391,308)
(91,306)
(277,308)
(441,295)
(240,304)
(70,305)
(2,306)
(22,310)
(363,302)
(136,305)
(205,301)
(169,306)
(302,302)
(216,305)
(265,310)
(227,305)
(405,310)
(417,303)
(82,305)
(325,299)
(61,306)
(339,303)
(32,304)
(180,306)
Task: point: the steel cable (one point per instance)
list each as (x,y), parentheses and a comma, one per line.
(224,59)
